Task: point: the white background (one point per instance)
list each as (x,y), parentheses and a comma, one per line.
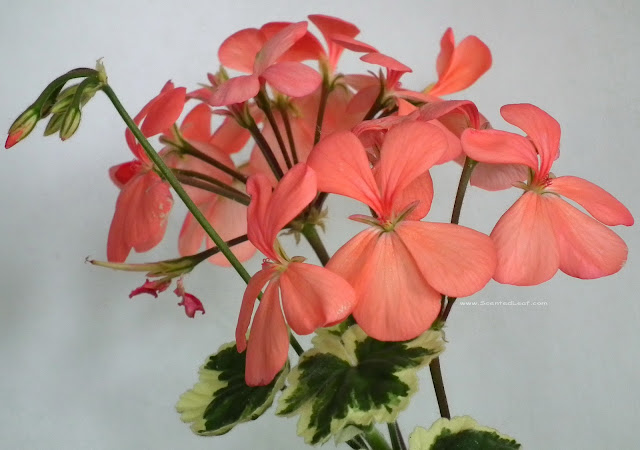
(84,367)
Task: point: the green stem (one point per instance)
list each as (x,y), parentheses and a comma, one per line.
(58,83)
(438,386)
(175,184)
(311,234)
(393,435)
(264,104)
(403,446)
(150,267)
(376,440)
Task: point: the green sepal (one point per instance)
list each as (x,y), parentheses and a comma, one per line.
(221,399)
(460,433)
(350,379)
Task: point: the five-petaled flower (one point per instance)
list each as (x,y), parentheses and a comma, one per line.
(400,266)
(312,296)
(541,232)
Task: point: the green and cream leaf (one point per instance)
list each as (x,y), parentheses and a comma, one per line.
(460,433)
(221,399)
(350,379)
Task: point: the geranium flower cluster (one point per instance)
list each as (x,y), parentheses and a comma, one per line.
(316,131)
(367,137)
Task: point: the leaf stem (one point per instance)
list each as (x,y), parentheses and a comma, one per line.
(376,440)
(438,386)
(393,435)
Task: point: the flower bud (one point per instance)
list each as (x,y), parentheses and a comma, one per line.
(55,122)
(22,126)
(70,123)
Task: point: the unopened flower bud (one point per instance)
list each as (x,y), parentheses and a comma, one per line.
(54,124)
(22,126)
(70,123)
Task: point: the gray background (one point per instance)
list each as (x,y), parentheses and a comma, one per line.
(84,367)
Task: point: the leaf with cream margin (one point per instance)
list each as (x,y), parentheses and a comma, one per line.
(460,433)
(220,399)
(351,379)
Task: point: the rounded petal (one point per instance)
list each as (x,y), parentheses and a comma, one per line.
(230,137)
(197,124)
(255,285)
(268,346)
(420,190)
(496,177)
(330,26)
(123,173)
(292,78)
(498,147)
(235,90)
(455,260)
(271,212)
(395,303)
(306,48)
(352,44)
(260,189)
(587,248)
(229,218)
(598,202)
(363,100)
(541,128)
(385,61)
(342,168)
(444,108)
(409,150)
(275,47)
(239,50)
(469,61)
(447,45)
(525,243)
(140,218)
(164,111)
(314,297)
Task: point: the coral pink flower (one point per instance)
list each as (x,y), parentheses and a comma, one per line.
(144,203)
(400,266)
(542,233)
(288,77)
(312,296)
(339,35)
(459,66)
